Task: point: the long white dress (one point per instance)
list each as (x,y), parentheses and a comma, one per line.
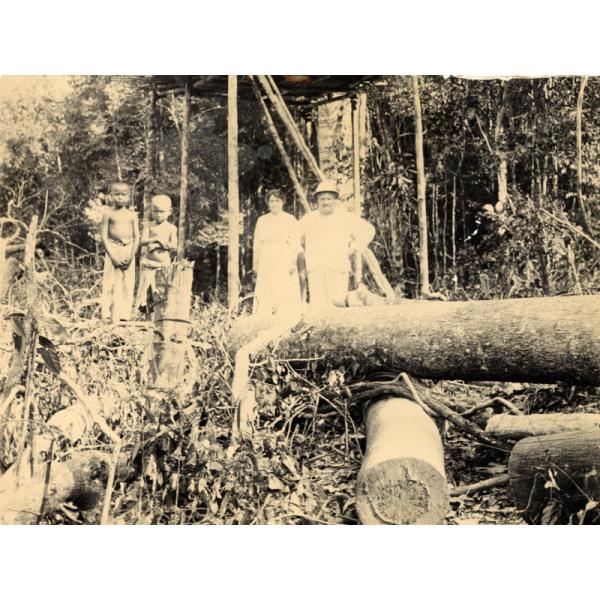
(276,248)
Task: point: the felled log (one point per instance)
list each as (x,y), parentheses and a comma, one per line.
(30,495)
(402,478)
(538,340)
(565,466)
(511,427)
(172,323)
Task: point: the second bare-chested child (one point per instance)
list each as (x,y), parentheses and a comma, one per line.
(120,237)
(159,240)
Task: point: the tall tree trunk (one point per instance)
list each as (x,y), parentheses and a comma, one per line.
(149,166)
(183,183)
(421,183)
(233,204)
(578,116)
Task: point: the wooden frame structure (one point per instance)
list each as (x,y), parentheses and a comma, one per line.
(280,90)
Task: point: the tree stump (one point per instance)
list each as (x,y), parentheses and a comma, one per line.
(402,479)
(172,325)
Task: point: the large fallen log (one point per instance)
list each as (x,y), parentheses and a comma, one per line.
(402,479)
(538,340)
(564,466)
(511,427)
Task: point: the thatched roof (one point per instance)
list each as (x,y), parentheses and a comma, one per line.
(296,89)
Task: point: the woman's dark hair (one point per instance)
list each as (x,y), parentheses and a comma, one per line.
(274,192)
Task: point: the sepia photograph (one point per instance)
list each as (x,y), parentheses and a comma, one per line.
(299,299)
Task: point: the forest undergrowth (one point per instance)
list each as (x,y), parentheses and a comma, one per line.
(302,463)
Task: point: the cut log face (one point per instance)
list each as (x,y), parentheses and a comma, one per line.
(561,465)
(511,427)
(536,340)
(402,479)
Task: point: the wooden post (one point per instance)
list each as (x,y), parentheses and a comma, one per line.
(233,205)
(183,182)
(356,142)
(402,480)
(422,207)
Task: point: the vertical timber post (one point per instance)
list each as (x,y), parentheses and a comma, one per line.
(183,181)
(233,201)
(422,206)
(356,142)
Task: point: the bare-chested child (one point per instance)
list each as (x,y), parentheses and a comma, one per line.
(159,240)
(121,238)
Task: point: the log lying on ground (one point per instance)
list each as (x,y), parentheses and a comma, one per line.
(537,340)
(511,427)
(402,478)
(27,497)
(561,465)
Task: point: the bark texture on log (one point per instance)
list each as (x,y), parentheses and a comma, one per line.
(512,427)
(402,479)
(561,465)
(541,340)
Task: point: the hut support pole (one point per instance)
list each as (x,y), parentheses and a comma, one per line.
(422,207)
(356,178)
(233,205)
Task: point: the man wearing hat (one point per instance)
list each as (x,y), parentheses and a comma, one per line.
(330,235)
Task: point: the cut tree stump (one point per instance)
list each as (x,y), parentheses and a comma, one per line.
(402,479)
(565,466)
(536,340)
(172,325)
(511,427)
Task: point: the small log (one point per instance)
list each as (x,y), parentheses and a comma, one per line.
(27,497)
(402,478)
(511,427)
(172,322)
(559,465)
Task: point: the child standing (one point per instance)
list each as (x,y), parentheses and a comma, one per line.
(159,240)
(120,238)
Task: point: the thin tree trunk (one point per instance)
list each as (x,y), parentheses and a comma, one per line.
(578,115)
(183,187)
(422,207)
(233,205)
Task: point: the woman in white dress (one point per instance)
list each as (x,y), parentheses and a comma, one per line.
(276,249)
